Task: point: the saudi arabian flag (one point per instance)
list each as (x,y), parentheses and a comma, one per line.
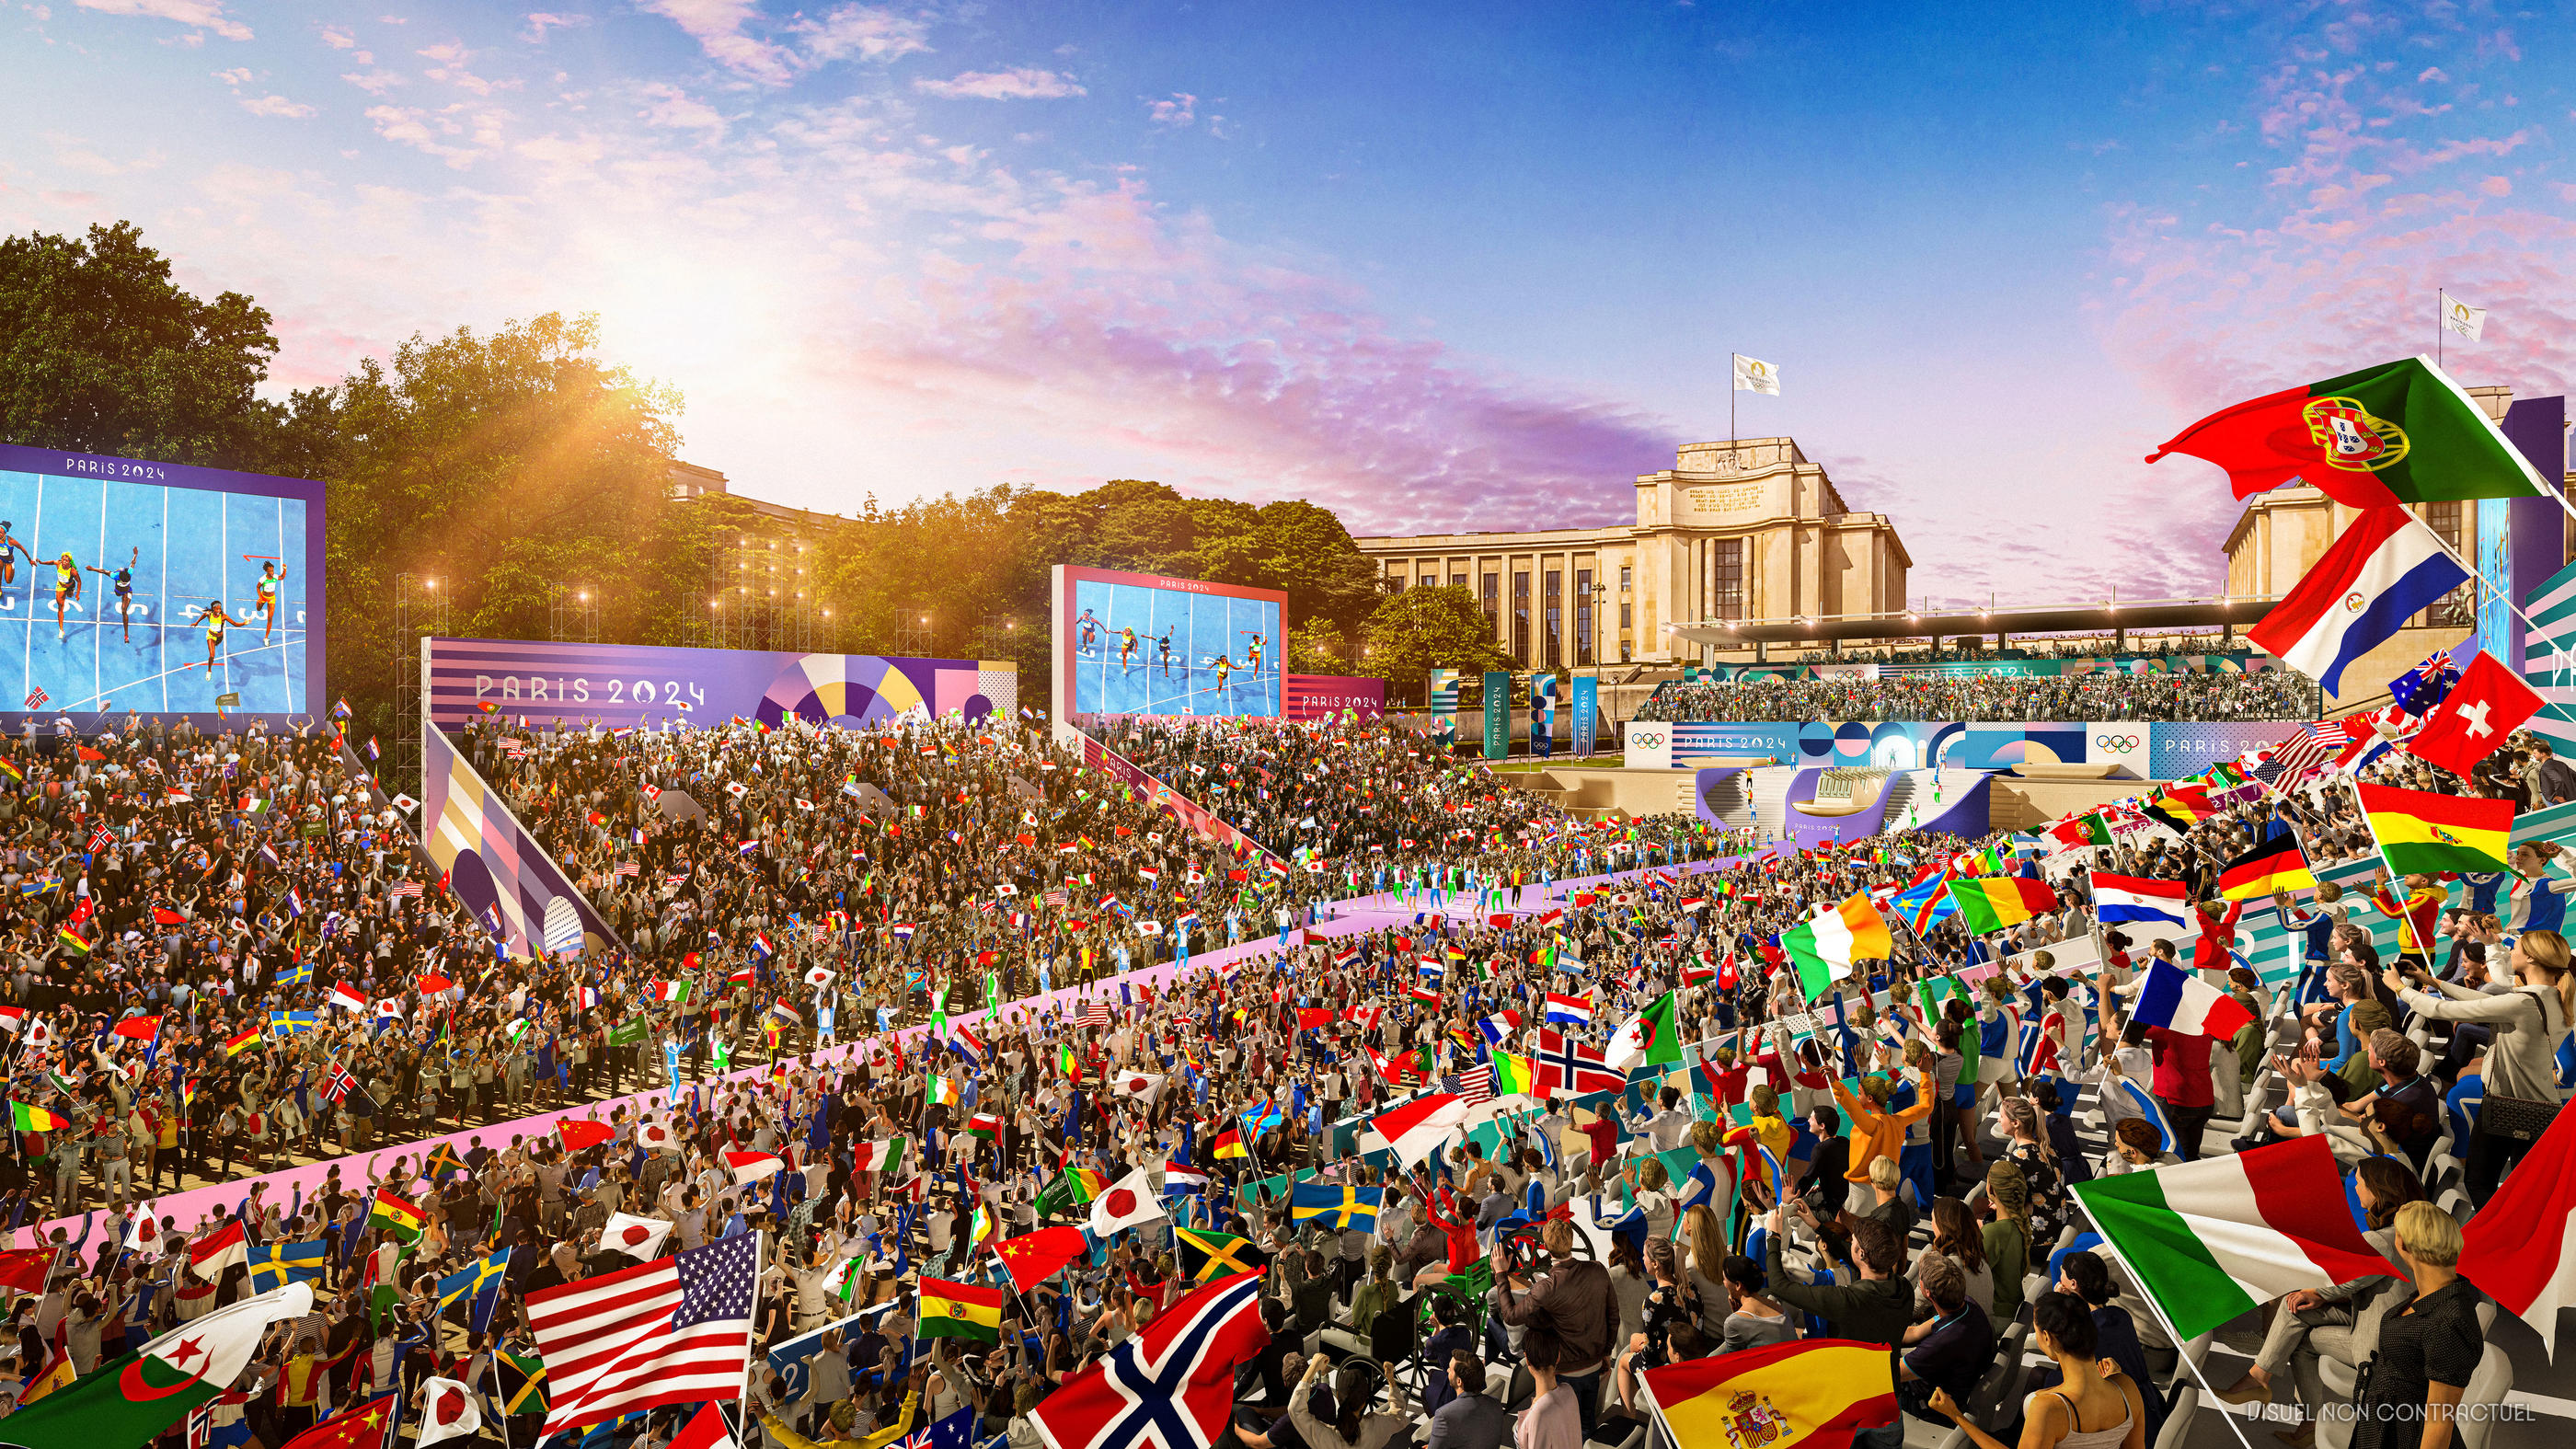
(1648,1039)
(2215,1239)
(1824,948)
(130,1400)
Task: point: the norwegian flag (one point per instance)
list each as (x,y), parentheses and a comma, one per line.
(101,840)
(1172,1385)
(36,698)
(339,1084)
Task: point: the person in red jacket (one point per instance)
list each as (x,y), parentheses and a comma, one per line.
(2182,1085)
(2416,914)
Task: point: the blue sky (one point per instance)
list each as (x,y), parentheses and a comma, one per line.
(1432,266)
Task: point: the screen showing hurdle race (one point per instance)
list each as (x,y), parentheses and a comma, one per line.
(158,587)
(1145,644)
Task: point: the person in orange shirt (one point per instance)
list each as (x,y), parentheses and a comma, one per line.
(1876,1131)
(2415,915)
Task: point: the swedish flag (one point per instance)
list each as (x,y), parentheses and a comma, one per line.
(1336,1205)
(274,1265)
(481,1280)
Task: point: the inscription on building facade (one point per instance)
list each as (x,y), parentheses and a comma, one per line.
(1741,498)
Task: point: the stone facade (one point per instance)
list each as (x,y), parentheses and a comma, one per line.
(1748,529)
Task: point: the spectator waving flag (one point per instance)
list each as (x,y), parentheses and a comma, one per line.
(672,1331)
(1170,1387)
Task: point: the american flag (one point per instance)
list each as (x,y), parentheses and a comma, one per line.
(2301,754)
(406,890)
(672,1331)
(1472,1086)
(1098,1015)
(36,698)
(628,867)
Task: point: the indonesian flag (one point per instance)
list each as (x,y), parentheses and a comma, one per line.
(638,1238)
(349,998)
(2520,1249)
(1415,1130)
(751,1167)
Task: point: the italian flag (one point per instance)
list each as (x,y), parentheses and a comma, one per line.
(1824,948)
(886,1156)
(2215,1239)
(134,1398)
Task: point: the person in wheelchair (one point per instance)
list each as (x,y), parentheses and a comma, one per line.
(1357,1426)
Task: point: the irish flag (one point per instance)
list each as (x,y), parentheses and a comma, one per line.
(1824,948)
(2214,1239)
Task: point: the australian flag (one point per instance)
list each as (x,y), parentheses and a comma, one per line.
(2422,687)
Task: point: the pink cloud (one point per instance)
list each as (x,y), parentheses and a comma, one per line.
(196,14)
(1018,84)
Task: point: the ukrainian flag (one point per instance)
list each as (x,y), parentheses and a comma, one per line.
(1336,1205)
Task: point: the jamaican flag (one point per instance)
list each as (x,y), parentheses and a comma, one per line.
(523,1382)
(1207,1255)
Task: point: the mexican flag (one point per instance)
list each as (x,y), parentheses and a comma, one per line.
(2213,1239)
(1824,948)
(130,1400)
(2401,432)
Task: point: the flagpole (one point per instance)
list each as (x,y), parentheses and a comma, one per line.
(2441,314)
(2182,1348)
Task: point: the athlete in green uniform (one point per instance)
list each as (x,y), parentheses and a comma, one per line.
(67,585)
(270,576)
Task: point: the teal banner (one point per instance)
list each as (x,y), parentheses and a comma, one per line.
(1498,715)
(1584,705)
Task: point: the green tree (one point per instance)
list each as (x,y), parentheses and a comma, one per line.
(1419,630)
(101,352)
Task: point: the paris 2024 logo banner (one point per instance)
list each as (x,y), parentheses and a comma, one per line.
(619,685)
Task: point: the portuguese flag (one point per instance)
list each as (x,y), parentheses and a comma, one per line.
(2274,865)
(2401,432)
(133,1398)
(395,1216)
(2213,1239)
(2082,830)
(2421,833)
(1995,902)
(961,1310)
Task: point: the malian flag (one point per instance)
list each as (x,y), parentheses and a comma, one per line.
(2213,1240)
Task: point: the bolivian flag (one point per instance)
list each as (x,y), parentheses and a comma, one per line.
(396,1216)
(1999,901)
(961,1310)
(244,1042)
(2273,865)
(2421,833)
(1778,1396)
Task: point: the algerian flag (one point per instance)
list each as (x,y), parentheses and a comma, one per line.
(1824,948)
(131,1399)
(1649,1038)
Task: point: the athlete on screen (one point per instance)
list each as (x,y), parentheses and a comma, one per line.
(67,585)
(1255,665)
(123,579)
(1166,643)
(10,548)
(270,576)
(1223,667)
(1126,646)
(1088,640)
(215,619)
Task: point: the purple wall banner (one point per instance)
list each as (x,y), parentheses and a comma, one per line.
(628,684)
(1323,696)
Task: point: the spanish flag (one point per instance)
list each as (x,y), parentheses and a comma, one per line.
(1818,1389)
(2421,833)
(395,1216)
(2273,865)
(961,1310)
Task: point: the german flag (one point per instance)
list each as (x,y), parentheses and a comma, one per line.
(2181,806)
(2420,833)
(2273,865)
(1228,1143)
(395,1216)
(961,1310)
(1999,901)
(244,1042)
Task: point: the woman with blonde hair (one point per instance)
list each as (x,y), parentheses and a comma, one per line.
(2529,1022)
(1707,1267)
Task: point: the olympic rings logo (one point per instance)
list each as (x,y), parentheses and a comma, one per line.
(1645,739)
(2122,743)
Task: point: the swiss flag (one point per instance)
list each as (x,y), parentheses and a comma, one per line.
(2487,704)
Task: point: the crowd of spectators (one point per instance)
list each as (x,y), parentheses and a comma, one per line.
(2270,694)
(1927,1159)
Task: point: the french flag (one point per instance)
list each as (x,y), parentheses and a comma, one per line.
(2385,569)
(2182,1003)
(2118,898)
